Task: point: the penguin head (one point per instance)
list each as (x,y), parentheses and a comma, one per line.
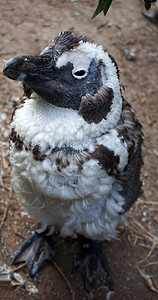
(73,73)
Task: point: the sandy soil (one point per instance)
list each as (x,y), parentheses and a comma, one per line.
(26,28)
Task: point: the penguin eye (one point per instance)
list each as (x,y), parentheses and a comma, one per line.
(79,74)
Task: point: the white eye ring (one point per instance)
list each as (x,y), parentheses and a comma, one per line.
(79,74)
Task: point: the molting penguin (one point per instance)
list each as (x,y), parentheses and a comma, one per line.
(75,150)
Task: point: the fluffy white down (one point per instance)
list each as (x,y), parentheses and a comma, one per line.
(86,201)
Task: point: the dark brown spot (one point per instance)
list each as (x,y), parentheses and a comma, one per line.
(79,161)
(107,159)
(37,154)
(81,158)
(67,163)
(59,169)
(27,90)
(58,160)
(20,105)
(19,145)
(95,108)
(27,95)
(79,164)
(14,137)
(101,63)
(61,161)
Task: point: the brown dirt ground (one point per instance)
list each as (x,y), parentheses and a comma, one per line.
(26,28)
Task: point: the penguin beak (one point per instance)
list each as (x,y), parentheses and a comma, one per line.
(29,69)
(38,72)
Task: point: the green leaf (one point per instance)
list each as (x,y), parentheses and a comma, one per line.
(99,8)
(147,4)
(103,5)
(106,6)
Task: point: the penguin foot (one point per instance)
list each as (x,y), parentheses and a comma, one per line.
(37,249)
(93,266)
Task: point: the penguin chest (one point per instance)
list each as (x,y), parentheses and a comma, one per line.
(60,176)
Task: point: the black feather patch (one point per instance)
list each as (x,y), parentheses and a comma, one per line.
(38,154)
(95,108)
(61,161)
(130,131)
(130,180)
(14,137)
(65,41)
(107,159)
(27,90)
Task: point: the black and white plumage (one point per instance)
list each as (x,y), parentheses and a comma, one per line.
(75,145)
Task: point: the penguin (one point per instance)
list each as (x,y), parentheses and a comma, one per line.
(75,151)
